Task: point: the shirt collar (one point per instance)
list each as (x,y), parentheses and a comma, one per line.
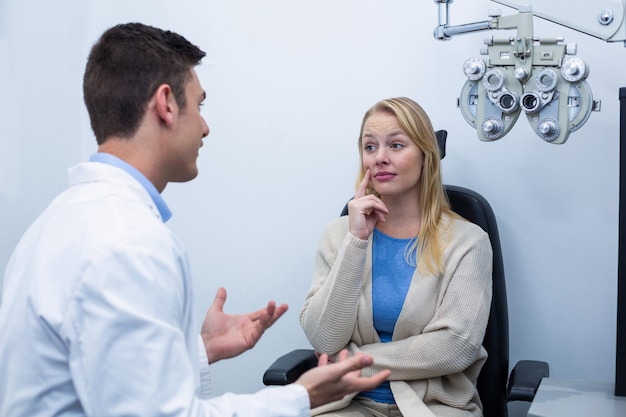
(109,159)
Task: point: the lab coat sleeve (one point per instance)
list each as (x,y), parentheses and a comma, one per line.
(129,352)
(204,390)
(286,401)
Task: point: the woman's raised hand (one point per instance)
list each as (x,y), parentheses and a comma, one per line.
(365,211)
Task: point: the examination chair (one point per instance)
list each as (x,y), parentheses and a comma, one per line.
(496,386)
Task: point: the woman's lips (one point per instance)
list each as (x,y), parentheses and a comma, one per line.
(384,176)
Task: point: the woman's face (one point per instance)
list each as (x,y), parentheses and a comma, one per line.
(394,160)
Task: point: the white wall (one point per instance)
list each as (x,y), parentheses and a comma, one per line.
(287,83)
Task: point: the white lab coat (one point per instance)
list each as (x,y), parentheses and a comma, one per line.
(96,317)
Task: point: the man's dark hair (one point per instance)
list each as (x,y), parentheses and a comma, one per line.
(124,69)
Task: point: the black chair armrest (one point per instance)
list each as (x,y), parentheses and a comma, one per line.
(525,379)
(289,367)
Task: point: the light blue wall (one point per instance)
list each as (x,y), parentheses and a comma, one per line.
(287,83)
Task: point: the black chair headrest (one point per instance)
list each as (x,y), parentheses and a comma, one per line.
(441,136)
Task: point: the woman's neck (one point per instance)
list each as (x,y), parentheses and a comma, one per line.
(403,220)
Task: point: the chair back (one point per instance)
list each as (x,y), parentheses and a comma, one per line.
(492,381)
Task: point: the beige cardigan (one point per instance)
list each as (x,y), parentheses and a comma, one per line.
(436,351)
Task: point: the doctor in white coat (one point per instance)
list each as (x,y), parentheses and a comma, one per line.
(96,316)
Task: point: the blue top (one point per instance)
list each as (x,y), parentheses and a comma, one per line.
(391,278)
(109,159)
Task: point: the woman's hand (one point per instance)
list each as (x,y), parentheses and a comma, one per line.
(365,211)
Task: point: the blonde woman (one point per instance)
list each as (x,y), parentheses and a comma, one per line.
(402,277)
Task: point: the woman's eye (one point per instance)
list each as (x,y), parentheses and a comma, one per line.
(397,145)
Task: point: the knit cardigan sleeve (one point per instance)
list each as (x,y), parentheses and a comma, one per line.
(329,313)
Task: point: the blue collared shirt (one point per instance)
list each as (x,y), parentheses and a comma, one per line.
(107,158)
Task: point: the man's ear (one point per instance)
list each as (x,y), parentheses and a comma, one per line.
(165,104)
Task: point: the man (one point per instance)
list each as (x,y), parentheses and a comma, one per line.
(96,318)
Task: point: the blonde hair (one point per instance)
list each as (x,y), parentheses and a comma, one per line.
(432,240)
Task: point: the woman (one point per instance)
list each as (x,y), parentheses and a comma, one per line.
(402,277)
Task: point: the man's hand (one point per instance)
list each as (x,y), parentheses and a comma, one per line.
(331,382)
(228,335)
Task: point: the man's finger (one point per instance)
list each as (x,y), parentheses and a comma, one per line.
(280,310)
(270,309)
(353,363)
(322,359)
(269,314)
(220,299)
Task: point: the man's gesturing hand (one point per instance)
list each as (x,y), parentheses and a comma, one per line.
(228,335)
(331,382)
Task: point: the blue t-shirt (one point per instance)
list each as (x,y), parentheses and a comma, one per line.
(391,278)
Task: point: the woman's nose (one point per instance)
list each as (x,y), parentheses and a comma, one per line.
(381,157)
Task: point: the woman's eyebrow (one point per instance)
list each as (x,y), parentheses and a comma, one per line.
(398,132)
